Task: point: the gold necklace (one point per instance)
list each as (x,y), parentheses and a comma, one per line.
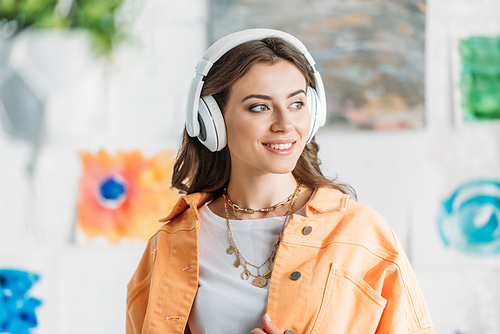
(268,209)
(260,280)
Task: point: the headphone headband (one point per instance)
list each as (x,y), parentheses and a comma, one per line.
(219,48)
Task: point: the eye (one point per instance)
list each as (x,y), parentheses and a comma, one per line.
(297,105)
(259,108)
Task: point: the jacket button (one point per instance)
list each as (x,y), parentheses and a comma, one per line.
(295,276)
(289,331)
(307,230)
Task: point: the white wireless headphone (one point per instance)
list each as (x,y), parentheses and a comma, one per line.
(204,117)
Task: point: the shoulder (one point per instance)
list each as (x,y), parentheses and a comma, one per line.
(184,215)
(354,221)
(368,225)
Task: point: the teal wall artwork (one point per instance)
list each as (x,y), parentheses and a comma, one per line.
(17,308)
(370,53)
(480,77)
(469,218)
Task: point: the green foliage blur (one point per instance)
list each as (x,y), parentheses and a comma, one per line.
(97,17)
(480,77)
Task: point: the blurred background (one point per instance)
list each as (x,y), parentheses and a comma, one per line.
(92,97)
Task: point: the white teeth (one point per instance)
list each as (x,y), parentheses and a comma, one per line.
(280,146)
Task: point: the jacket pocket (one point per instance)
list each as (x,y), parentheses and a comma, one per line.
(349,305)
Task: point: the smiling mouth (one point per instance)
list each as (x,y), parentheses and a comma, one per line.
(280,146)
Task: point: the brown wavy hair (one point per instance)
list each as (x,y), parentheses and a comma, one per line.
(198,169)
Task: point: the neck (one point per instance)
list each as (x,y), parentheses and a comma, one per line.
(260,191)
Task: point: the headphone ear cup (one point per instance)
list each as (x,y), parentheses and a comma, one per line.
(314,104)
(212,126)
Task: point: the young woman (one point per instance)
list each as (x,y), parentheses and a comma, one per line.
(262,242)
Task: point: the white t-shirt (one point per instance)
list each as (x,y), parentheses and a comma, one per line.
(225,303)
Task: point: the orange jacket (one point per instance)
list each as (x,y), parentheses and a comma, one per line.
(355,276)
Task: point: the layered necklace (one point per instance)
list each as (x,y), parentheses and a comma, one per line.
(260,279)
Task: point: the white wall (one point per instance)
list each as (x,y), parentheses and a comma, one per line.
(138,102)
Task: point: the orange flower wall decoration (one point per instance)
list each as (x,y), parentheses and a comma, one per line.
(124,195)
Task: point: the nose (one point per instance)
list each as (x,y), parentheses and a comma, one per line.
(282,121)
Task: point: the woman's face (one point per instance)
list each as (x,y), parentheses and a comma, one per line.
(267,119)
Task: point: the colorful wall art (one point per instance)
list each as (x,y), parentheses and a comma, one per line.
(480,77)
(124,195)
(370,53)
(469,218)
(17,308)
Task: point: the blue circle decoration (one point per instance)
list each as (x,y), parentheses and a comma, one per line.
(469,218)
(112,191)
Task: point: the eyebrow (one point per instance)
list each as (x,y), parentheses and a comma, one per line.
(266,97)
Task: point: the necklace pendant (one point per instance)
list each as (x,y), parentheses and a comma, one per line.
(267,274)
(230,250)
(245,275)
(260,281)
(237,263)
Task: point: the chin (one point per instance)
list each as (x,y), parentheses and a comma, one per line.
(281,169)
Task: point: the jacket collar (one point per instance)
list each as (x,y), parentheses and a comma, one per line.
(191,200)
(324,200)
